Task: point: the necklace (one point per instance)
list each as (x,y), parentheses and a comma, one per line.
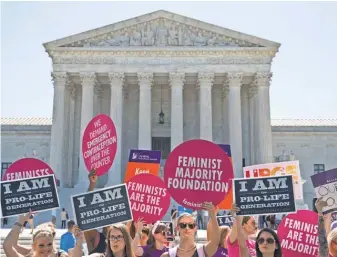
(194,246)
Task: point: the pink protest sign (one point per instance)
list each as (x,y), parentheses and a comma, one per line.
(99,144)
(198,171)
(298,233)
(148,196)
(27,168)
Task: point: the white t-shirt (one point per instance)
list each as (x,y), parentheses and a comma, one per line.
(63,215)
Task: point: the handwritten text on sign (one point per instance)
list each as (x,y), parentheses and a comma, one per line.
(298,234)
(198,171)
(19,196)
(148,197)
(99,144)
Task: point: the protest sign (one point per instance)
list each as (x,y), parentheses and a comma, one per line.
(225,220)
(99,144)
(334,216)
(142,162)
(22,195)
(325,184)
(298,234)
(27,168)
(227,203)
(198,171)
(264,195)
(149,197)
(102,207)
(277,169)
(182,209)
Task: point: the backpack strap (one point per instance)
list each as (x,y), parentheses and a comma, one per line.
(173,251)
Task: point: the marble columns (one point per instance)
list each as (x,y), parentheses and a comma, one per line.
(177,81)
(145,81)
(234,117)
(116,114)
(205,81)
(57,133)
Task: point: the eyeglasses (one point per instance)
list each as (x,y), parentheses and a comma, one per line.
(270,241)
(189,225)
(116,238)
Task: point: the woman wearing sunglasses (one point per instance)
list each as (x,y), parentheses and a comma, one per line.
(186,227)
(156,243)
(268,244)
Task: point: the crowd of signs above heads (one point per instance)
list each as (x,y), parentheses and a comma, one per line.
(196,171)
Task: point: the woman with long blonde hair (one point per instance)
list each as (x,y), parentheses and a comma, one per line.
(43,240)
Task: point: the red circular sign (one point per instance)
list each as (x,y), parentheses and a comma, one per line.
(27,168)
(99,144)
(149,197)
(198,171)
(298,234)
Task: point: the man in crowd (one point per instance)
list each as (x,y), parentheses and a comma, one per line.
(68,239)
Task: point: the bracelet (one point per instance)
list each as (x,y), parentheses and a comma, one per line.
(18,224)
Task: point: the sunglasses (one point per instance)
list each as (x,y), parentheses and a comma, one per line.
(189,225)
(162,232)
(270,241)
(116,238)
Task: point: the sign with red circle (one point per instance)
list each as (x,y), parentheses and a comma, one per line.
(298,234)
(99,144)
(198,171)
(27,168)
(149,197)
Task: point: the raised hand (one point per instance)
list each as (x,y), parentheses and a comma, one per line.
(210,208)
(24,217)
(93,177)
(234,210)
(139,224)
(320,204)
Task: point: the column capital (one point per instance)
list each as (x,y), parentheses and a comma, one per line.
(145,78)
(225,89)
(235,79)
(262,79)
(205,79)
(59,78)
(88,78)
(98,89)
(116,77)
(177,79)
(252,90)
(71,87)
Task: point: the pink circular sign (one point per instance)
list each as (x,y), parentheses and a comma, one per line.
(149,197)
(27,168)
(298,234)
(99,144)
(198,171)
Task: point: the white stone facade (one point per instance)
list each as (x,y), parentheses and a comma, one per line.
(311,141)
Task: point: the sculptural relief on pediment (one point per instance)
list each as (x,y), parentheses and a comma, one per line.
(161,32)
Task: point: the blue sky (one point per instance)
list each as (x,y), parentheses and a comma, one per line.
(304,81)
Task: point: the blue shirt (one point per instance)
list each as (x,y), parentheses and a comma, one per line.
(67,241)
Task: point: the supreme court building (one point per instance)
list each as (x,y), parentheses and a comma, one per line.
(163,78)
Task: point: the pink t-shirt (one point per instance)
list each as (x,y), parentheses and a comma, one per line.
(234,249)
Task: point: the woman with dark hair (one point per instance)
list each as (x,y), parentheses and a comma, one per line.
(156,243)
(267,244)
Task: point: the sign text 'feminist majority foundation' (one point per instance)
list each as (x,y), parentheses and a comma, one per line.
(99,144)
(198,171)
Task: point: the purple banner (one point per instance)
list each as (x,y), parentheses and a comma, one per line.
(227,149)
(147,156)
(324,178)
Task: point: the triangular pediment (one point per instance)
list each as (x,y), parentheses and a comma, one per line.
(161,29)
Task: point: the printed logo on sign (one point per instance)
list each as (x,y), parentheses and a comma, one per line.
(134,156)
